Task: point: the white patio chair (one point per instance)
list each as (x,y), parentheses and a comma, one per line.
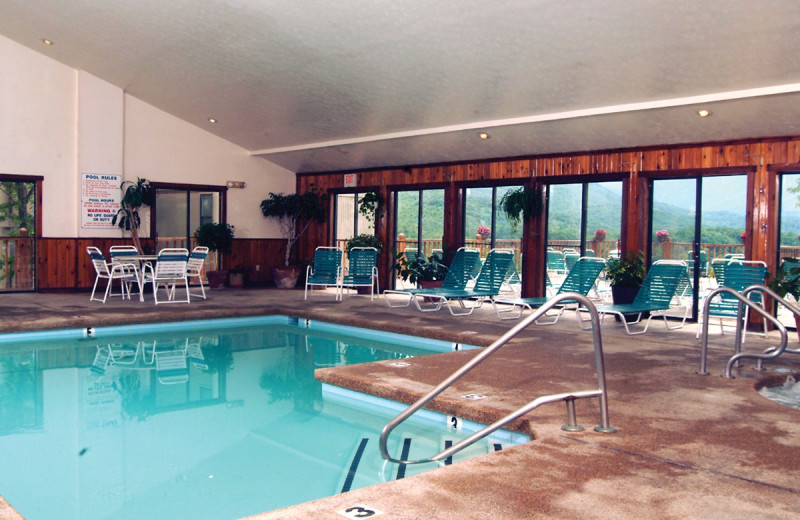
(126,273)
(170,269)
(194,267)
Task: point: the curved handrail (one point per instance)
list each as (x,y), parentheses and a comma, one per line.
(601,392)
(743,300)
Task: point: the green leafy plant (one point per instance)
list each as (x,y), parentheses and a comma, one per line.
(216,236)
(370,205)
(135,195)
(364,240)
(787,279)
(627,272)
(419,269)
(520,204)
(295,212)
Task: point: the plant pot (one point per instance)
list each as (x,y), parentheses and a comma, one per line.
(216,279)
(236,280)
(623,295)
(430,284)
(285,276)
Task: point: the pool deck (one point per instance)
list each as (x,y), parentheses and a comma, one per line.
(686,446)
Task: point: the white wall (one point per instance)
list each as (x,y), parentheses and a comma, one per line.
(38,122)
(58,122)
(160,147)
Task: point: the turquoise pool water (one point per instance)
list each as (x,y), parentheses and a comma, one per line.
(214,420)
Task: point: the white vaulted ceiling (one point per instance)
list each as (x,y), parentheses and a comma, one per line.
(318,85)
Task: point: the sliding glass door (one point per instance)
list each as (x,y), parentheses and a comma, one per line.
(180,211)
(419,220)
(17,232)
(701,221)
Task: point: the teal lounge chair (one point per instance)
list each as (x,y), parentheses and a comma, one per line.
(326,271)
(654,297)
(555,262)
(580,279)
(362,271)
(739,275)
(464,268)
(487,286)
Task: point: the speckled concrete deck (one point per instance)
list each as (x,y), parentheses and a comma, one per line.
(687,445)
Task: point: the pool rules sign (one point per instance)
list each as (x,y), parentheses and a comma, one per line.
(100,198)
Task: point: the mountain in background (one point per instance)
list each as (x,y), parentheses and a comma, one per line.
(723,216)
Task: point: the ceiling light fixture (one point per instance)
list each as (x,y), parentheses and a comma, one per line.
(703,113)
(484,135)
(212,120)
(47,42)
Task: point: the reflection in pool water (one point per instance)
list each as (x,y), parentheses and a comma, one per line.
(209,424)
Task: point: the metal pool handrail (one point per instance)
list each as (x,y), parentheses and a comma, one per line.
(568,397)
(770,353)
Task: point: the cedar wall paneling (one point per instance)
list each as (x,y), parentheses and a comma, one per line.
(761,159)
(62,264)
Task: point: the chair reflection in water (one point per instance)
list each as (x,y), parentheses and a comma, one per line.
(170,361)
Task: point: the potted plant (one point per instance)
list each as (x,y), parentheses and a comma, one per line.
(662,235)
(364,240)
(135,195)
(787,281)
(295,212)
(424,273)
(520,204)
(216,237)
(625,275)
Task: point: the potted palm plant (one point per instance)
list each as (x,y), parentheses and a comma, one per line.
(135,195)
(216,237)
(294,212)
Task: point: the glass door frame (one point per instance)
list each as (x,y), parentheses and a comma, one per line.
(222,192)
(584,182)
(36,180)
(651,177)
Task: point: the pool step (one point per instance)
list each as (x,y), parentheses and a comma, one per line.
(367,467)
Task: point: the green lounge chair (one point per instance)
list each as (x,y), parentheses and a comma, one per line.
(362,271)
(654,297)
(326,271)
(555,262)
(487,286)
(739,275)
(464,268)
(580,279)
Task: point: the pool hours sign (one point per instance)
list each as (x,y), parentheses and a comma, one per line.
(100,198)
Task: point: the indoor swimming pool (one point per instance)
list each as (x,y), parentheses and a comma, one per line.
(208,420)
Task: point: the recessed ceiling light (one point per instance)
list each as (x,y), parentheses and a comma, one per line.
(46,41)
(212,120)
(703,113)
(484,135)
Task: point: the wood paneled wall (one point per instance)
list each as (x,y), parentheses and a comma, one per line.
(62,264)
(761,159)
